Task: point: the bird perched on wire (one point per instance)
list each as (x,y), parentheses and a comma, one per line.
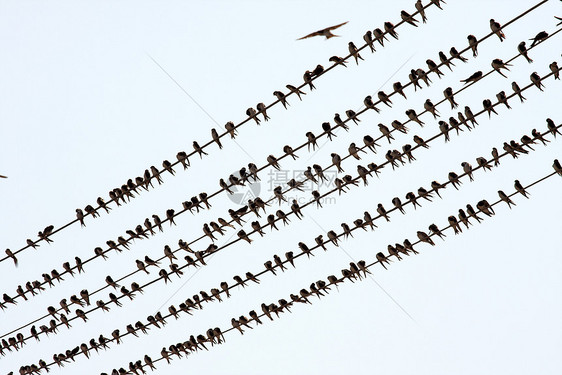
(539,38)
(496,28)
(327,32)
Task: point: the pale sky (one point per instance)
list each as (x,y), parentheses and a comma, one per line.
(84,107)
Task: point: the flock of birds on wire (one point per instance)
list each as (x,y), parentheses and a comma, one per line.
(170,264)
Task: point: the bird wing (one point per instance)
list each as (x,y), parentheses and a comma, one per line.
(336,26)
(3,176)
(316,33)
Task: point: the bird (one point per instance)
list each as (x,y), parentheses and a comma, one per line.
(539,38)
(407,17)
(198,149)
(352,116)
(338,60)
(326,32)
(520,189)
(483,163)
(225,186)
(498,64)
(397,87)
(368,38)
(448,93)
(444,128)
(382,211)
(414,79)
(487,104)
(307,77)
(485,207)
(473,43)
(419,141)
(354,151)
(456,55)
(262,108)
(473,78)
(552,127)
(414,117)
(281,97)
(557,167)
(436,186)
(389,28)
(296,91)
(467,168)
(379,36)
(381,258)
(368,101)
(504,197)
(428,105)
(10,254)
(496,29)
(384,98)
(421,10)
(555,70)
(454,179)
(536,79)
(455,124)
(517,90)
(433,67)
(463,218)
(354,52)
(445,60)
(470,116)
(423,76)
(80,217)
(399,126)
(537,135)
(454,224)
(522,48)
(436,2)
(251,112)
(559,19)
(243,236)
(435,230)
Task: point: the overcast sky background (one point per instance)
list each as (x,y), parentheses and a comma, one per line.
(83,107)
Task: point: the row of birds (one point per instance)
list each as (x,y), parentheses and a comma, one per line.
(513,148)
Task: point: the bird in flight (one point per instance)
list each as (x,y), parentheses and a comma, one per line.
(3,176)
(327,32)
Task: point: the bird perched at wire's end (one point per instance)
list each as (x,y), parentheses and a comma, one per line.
(327,32)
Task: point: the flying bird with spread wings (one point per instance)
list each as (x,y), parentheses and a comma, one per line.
(327,32)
